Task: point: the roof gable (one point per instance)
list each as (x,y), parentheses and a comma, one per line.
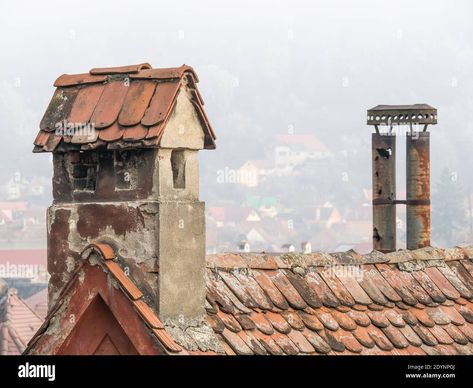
(101,296)
(119,107)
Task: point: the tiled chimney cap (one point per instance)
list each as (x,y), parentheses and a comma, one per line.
(402,114)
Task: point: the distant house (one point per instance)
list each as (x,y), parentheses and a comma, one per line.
(250,173)
(288,248)
(267,206)
(293,150)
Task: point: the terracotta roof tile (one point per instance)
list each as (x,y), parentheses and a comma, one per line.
(163,73)
(375,307)
(237,288)
(278,322)
(255,291)
(136,102)
(327,320)
(456,282)
(438,316)
(236,343)
(110,103)
(311,321)
(394,317)
(84,104)
(343,309)
(147,314)
(378,319)
(348,340)
(415,288)
(160,103)
(442,283)
(380,338)
(423,317)
(373,275)
(333,342)
(215,323)
(229,321)
(128,286)
(120,69)
(262,323)
(336,287)
(397,284)
(280,280)
(253,343)
(41,138)
(429,286)
(268,343)
(293,318)
(245,322)
(78,79)
(360,317)
(321,289)
(467,331)
(452,313)
(425,335)
(459,269)
(285,343)
(58,109)
(395,336)
(371,288)
(319,344)
(363,337)
(360,307)
(134,133)
(267,285)
(441,335)
(302,343)
(302,286)
(354,288)
(410,335)
(344,320)
(456,334)
(466,313)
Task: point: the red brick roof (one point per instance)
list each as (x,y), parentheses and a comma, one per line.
(18,322)
(407,302)
(128,105)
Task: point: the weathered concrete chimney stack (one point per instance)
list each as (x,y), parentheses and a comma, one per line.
(131,179)
(416,118)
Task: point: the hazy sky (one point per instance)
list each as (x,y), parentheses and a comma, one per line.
(263,66)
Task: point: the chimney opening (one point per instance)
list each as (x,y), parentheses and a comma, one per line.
(384,152)
(178,165)
(84,172)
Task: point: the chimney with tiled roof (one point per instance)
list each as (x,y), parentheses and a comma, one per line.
(125,143)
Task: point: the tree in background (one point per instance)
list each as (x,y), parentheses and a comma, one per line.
(448,212)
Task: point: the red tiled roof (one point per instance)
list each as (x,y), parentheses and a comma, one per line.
(128,105)
(132,292)
(18,323)
(418,302)
(407,302)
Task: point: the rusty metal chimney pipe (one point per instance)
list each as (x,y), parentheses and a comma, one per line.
(418,190)
(417,177)
(383,150)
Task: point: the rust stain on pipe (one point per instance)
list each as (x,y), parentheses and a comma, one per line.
(418,190)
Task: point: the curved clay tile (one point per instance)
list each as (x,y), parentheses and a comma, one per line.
(109,105)
(136,101)
(161,103)
(85,103)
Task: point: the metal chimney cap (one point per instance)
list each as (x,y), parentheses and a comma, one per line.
(402,114)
